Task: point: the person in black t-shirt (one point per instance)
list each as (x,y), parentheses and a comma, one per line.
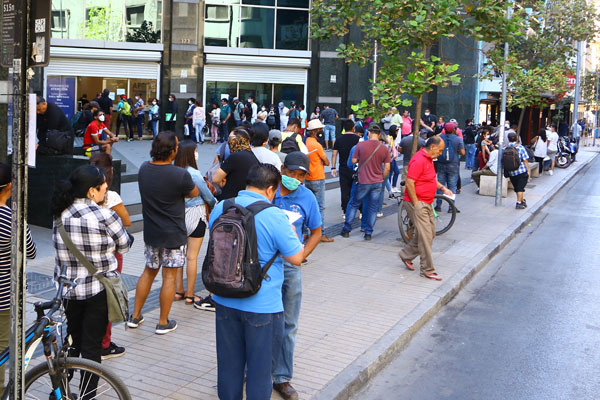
(469,139)
(342,147)
(50,117)
(106,105)
(234,170)
(428,121)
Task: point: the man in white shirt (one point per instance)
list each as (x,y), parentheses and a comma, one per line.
(552,146)
(283,116)
(490,169)
(254,108)
(264,155)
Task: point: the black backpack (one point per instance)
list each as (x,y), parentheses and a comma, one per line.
(289,145)
(510,159)
(231,267)
(271,120)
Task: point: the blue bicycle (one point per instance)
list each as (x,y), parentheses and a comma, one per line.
(62,377)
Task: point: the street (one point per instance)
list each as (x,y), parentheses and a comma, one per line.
(526,327)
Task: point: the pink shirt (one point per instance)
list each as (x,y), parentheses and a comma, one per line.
(406,125)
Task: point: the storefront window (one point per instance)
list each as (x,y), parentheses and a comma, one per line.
(260,91)
(288,93)
(107,20)
(264,93)
(216,90)
(293,3)
(292,30)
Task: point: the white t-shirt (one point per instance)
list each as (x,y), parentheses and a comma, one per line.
(541,148)
(553,138)
(254,110)
(112,199)
(492,163)
(261,116)
(199,114)
(266,156)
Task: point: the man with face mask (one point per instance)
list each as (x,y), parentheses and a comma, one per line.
(428,121)
(97,136)
(292,196)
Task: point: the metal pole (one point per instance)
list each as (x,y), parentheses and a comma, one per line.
(477,84)
(577,88)
(500,176)
(374,67)
(19,211)
(596,124)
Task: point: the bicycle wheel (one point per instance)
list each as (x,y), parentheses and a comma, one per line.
(407,229)
(445,218)
(82,379)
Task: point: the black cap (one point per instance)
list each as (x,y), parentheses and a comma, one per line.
(297,160)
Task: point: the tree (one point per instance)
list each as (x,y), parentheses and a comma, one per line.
(145,34)
(104,23)
(589,88)
(404,31)
(540,59)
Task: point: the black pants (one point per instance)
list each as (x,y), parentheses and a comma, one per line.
(86,323)
(345,187)
(121,119)
(540,161)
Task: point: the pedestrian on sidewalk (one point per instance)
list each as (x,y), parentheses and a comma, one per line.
(259,139)
(106,105)
(342,147)
(215,122)
(98,234)
(188,127)
(329,116)
(552,146)
(315,180)
(406,149)
(274,142)
(5,257)
(112,201)
(293,128)
(421,186)
(196,219)
(163,189)
(292,196)
(154,115)
(224,116)
(520,176)
(139,114)
(250,329)
(199,119)
(123,112)
(171,114)
(540,148)
(394,169)
(448,163)
(370,156)
(469,140)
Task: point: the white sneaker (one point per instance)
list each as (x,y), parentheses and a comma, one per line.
(344,217)
(379,214)
(551,172)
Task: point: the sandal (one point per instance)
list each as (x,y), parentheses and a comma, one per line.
(192,299)
(179,296)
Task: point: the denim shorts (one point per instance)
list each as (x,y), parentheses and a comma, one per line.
(157,257)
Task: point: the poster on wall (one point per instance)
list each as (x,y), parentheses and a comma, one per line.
(60,90)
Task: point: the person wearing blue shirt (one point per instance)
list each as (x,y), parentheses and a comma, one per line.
(294,197)
(248,329)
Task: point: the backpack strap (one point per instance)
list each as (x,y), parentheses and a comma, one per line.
(255,208)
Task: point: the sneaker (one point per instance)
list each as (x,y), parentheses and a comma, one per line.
(286,391)
(431,275)
(438,208)
(550,172)
(520,206)
(367,237)
(408,264)
(207,304)
(112,351)
(135,322)
(344,217)
(170,326)
(345,234)
(379,214)
(305,261)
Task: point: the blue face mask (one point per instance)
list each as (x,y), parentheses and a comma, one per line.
(290,183)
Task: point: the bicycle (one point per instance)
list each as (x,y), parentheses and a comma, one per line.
(57,378)
(443,220)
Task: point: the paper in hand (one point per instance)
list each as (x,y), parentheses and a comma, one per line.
(293,216)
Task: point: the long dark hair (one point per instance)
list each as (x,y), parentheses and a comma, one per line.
(542,135)
(104,161)
(163,145)
(76,187)
(185,155)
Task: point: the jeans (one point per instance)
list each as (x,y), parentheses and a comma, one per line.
(198,126)
(246,340)
(318,188)
(329,130)
(4,338)
(470,157)
(384,185)
(394,173)
(283,356)
(370,191)
(238,122)
(447,175)
(224,131)
(345,187)
(139,120)
(154,127)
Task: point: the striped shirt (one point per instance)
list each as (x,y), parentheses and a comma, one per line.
(5,255)
(98,233)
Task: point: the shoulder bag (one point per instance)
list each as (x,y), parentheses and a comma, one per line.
(355,175)
(116,293)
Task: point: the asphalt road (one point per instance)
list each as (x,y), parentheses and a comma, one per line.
(527,327)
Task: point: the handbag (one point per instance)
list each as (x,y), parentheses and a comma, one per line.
(116,294)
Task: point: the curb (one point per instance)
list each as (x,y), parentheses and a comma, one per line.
(357,375)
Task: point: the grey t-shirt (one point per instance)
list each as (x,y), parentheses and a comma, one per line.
(163,189)
(328,116)
(406,145)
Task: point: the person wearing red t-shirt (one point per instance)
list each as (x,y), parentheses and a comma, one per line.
(97,136)
(421,186)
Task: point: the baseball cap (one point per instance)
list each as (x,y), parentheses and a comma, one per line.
(281,104)
(449,127)
(454,121)
(274,133)
(235,98)
(297,160)
(314,124)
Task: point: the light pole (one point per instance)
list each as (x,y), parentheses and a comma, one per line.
(596,124)
(574,129)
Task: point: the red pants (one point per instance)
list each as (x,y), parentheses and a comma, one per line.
(106,339)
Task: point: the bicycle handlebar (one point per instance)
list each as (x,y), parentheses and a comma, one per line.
(52,305)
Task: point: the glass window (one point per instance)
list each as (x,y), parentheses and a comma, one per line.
(293,3)
(257,27)
(292,30)
(222,2)
(59,21)
(260,91)
(259,2)
(135,16)
(288,93)
(215,90)
(221,26)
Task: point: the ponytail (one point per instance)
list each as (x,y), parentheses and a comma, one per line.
(76,187)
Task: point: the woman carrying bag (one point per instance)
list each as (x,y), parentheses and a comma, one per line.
(540,148)
(97,234)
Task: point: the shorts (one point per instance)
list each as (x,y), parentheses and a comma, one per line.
(199,231)
(552,155)
(157,257)
(92,149)
(519,181)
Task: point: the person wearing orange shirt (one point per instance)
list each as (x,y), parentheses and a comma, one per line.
(315,180)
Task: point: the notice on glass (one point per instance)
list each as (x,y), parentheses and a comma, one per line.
(120,92)
(32,129)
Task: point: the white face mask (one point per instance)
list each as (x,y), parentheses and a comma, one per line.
(190,103)
(137,97)
(427,114)
(170,99)
(196,155)
(154,103)
(263,108)
(101,118)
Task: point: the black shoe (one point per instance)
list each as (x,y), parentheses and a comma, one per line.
(450,211)
(170,326)
(520,206)
(112,351)
(367,237)
(207,304)
(345,234)
(438,208)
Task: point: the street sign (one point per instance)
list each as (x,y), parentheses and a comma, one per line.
(40,33)
(12,47)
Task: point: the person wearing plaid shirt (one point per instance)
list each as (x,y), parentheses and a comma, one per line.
(98,233)
(520,176)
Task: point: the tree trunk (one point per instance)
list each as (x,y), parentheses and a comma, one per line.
(521,116)
(417,127)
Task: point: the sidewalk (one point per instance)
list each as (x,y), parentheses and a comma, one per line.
(360,306)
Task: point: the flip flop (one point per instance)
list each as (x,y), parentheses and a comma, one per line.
(179,296)
(193,299)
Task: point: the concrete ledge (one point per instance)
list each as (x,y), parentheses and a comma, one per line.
(355,377)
